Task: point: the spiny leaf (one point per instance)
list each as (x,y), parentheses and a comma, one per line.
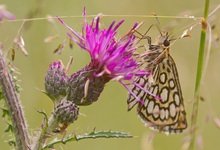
(1,92)
(44,92)
(9,128)
(1,96)
(42,112)
(5,112)
(11,142)
(104,134)
(91,135)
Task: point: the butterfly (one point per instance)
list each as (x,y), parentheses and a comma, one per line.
(162,106)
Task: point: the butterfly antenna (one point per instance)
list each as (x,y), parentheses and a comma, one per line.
(158,22)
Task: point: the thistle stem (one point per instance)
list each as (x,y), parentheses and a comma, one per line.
(50,125)
(14,106)
(199,76)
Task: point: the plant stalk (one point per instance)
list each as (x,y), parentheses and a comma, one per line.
(199,76)
(48,128)
(14,106)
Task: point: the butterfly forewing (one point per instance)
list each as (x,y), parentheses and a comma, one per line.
(168,113)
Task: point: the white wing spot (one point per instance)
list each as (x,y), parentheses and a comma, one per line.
(146,102)
(156,111)
(151,79)
(172,110)
(150,107)
(142,80)
(171,83)
(163,78)
(166,129)
(155,90)
(135,91)
(167,114)
(162,114)
(164,94)
(177,99)
(151,89)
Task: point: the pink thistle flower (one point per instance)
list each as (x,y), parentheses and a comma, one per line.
(111,59)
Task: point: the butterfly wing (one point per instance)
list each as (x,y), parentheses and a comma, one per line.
(167,115)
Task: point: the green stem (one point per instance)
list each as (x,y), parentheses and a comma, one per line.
(14,106)
(48,128)
(198,77)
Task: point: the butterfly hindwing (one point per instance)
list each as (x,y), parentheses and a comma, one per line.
(167,115)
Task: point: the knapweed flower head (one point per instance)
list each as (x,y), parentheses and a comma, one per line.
(111,59)
(56,81)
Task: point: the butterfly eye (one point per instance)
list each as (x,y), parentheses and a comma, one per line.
(166,43)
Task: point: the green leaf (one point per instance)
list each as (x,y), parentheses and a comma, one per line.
(11,142)
(197,93)
(91,135)
(1,92)
(5,112)
(43,113)
(44,92)
(104,134)
(9,128)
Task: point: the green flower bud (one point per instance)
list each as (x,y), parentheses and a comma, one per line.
(56,81)
(85,87)
(66,112)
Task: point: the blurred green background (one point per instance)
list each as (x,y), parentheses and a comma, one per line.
(110,111)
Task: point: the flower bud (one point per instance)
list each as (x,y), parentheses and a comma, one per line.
(85,87)
(66,112)
(56,81)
